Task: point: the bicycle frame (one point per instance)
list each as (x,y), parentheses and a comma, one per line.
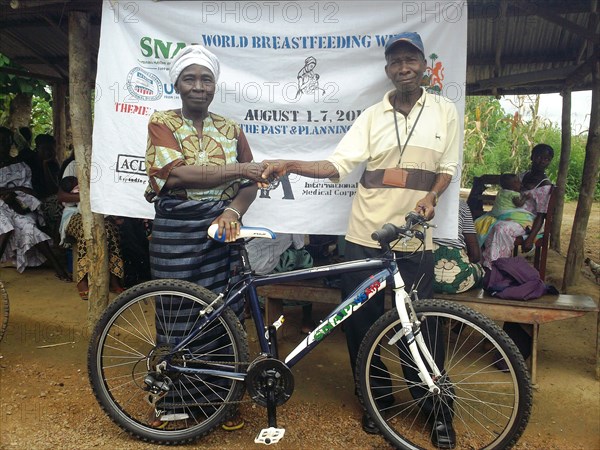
(385,267)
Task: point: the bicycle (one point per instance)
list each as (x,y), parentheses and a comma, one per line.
(4,310)
(196,382)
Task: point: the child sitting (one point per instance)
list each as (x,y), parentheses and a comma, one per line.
(508,197)
(507,206)
(69,184)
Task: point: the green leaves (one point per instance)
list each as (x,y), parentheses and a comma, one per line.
(11,85)
(498,142)
(15,84)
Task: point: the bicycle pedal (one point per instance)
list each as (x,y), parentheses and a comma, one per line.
(269,436)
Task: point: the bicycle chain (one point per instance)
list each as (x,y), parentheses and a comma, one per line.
(183,362)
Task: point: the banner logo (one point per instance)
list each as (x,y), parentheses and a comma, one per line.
(131,169)
(434,75)
(144,85)
(131,164)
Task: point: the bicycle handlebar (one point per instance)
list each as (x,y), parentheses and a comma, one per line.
(391,232)
(388,233)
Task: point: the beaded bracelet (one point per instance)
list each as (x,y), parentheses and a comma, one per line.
(231,208)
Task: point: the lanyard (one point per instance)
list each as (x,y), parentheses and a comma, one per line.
(402,148)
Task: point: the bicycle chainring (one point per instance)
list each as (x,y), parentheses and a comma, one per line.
(260,372)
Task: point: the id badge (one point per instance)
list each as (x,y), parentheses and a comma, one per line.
(395,177)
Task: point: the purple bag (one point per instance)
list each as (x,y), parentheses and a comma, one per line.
(514,278)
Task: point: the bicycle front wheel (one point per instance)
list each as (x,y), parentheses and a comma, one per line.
(485,386)
(126,354)
(4,309)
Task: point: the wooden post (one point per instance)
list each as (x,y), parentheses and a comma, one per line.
(59,119)
(563,169)
(588,186)
(80,93)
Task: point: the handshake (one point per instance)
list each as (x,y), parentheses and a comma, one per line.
(269,171)
(264,173)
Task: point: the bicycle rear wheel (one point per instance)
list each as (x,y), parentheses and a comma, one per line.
(4,309)
(134,336)
(489,408)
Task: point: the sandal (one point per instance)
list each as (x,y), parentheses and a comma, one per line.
(233,424)
(84,295)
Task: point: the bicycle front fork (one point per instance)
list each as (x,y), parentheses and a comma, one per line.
(414,339)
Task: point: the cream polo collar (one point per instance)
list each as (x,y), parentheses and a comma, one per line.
(387,106)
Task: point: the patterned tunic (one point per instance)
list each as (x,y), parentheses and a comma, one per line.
(173,141)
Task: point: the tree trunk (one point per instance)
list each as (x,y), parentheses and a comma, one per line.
(563,170)
(80,93)
(59,119)
(20,111)
(588,186)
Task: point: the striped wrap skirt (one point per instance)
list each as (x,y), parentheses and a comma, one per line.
(181,249)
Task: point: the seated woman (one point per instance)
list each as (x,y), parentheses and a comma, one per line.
(508,205)
(499,240)
(71,228)
(21,241)
(456,261)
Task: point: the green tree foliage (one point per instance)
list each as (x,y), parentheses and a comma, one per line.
(15,84)
(11,85)
(41,119)
(497,142)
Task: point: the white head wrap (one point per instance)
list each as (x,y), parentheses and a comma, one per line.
(194,54)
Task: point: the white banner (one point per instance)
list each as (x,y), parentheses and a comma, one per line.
(295,75)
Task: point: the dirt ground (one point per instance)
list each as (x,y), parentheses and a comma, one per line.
(46,401)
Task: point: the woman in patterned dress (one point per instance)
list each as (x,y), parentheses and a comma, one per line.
(201,171)
(501,239)
(71,232)
(536,185)
(21,240)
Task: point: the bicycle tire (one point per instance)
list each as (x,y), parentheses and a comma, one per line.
(124,349)
(491,408)
(5,309)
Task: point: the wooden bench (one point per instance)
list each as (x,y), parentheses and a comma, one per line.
(533,313)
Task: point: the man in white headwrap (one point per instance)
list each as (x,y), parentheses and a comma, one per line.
(199,165)
(194,54)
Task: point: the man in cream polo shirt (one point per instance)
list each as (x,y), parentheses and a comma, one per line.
(410,143)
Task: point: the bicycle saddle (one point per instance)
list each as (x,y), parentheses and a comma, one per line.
(245,232)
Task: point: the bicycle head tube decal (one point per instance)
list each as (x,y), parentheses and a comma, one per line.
(369,291)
